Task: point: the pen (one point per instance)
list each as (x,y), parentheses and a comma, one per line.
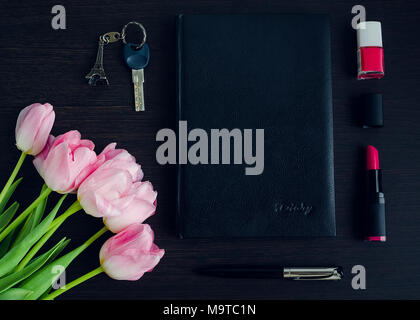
(272,272)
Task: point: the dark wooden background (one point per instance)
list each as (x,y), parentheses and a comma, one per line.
(39,64)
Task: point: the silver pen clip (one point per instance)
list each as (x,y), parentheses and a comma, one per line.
(318,273)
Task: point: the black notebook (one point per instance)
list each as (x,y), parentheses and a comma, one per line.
(270,72)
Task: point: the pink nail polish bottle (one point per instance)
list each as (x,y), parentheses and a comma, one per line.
(370,53)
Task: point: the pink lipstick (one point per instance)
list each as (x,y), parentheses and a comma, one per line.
(372,158)
(375,198)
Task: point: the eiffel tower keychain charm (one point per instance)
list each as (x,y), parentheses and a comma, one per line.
(97,75)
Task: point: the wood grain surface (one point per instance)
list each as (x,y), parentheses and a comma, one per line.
(39,64)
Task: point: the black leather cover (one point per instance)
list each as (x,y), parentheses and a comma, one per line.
(258,71)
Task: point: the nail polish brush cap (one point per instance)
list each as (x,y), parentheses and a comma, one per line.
(372,110)
(369,34)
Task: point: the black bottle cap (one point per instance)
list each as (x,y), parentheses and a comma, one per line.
(372,111)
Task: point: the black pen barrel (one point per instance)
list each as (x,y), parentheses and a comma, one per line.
(247,272)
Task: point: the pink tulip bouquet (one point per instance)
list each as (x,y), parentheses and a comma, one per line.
(108,186)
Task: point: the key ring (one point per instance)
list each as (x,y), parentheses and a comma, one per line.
(123,33)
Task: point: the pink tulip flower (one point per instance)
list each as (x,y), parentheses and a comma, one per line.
(141,207)
(66,161)
(111,194)
(121,159)
(33,127)
(130,253)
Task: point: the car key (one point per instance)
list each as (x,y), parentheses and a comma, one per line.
(137,59)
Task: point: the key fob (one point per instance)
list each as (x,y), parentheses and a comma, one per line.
(136,59)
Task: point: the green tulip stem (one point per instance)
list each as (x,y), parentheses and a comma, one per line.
(74,283)
(93,238)
(24,214)
(75,207)
(13,175)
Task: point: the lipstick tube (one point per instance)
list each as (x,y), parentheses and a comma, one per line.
(370,52)
(375,198)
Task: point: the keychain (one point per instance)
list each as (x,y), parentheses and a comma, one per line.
(136,57)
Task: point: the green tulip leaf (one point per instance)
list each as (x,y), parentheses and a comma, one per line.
(23,231)
(37,247)
(40,209)
(12,258)
(15,294)
(8,194)
(5,244)
(33,219)
(8,215)
(41,281)
(16,277)
(57,251)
